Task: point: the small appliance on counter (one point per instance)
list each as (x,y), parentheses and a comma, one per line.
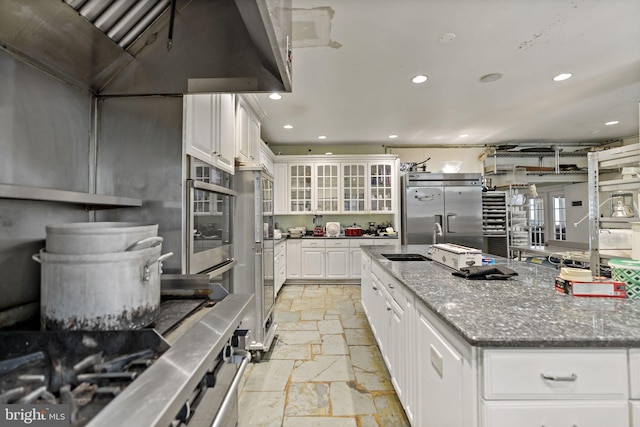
(353,231)
(455,256)
(333,229)
(318,229)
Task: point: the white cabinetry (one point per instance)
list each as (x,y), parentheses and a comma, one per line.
(209,128)
(327,188)
(313,259)
(555,387)
(294,258)
(247,130)
(440,376)
(280,263)
(382,191)
(300,194)
(345,184)
(280,188)
(337,259)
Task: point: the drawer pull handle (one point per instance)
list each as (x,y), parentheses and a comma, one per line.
(374,288)
(572,377)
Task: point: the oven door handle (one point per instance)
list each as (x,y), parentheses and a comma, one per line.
(232,392)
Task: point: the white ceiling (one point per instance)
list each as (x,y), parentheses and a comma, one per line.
(353,61)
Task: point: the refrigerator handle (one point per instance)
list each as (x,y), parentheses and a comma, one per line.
(451,223)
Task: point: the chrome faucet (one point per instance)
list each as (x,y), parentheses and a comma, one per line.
(437,231)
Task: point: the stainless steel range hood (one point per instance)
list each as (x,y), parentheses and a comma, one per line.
(119,47)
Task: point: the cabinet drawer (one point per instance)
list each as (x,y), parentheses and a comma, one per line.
(313,243)
(356,243)
(586,413)
(555,374)
(336,243)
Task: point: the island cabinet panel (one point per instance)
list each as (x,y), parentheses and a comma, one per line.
(591,413)
(556,374)
(440,378)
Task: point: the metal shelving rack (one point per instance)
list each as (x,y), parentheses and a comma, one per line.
(539,176)
(494,223)
(612,160)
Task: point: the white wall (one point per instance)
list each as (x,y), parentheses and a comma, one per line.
(469,157)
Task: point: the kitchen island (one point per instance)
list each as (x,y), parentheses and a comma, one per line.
(501,352)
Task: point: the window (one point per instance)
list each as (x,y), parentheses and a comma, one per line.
(559,218)
(536,221)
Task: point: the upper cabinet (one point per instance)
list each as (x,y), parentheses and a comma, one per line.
(345,185)
(210,129)
(248,122)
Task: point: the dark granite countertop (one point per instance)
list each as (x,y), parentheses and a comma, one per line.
(524,311)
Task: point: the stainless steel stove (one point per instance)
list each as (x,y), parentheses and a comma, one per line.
(182,372)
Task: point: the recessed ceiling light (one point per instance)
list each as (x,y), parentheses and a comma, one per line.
(322,137)
(328,153)
(447,38)
(288,126)
(464,135)
(420,78)
(275,96)
(561,77)
(612,122)
(488,78)
(394,136)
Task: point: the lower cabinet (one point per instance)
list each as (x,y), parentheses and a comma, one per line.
(313,259)
(440,377)
(590,413)
(280,265)
(294,258)
(337,259)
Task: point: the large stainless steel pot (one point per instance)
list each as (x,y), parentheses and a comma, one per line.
(112,291)
(81,238)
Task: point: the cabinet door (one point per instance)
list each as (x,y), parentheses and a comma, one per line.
(242,131)
(327,190)
(439,378)
(337,263)
(280,189)
(354,187)
(382,187)
(300,188)
(355,264)
(199,118)
(294,258)
(224,148)
(253,144)
(313,262)
(366,290)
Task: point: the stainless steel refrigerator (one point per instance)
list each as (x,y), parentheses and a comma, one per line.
(442,208)
(253,248)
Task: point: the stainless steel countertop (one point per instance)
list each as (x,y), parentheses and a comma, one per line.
(525,311)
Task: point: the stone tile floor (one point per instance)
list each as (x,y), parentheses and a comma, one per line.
(324,368)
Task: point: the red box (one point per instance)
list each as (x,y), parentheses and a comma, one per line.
(597,287)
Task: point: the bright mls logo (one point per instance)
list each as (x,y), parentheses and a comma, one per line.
(34,415)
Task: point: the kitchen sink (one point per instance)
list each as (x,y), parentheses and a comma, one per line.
(406,257)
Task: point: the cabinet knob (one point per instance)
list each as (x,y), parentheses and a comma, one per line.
(390,286)
(388,308)
(374,288)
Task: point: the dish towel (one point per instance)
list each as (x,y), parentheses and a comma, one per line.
(488,272)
